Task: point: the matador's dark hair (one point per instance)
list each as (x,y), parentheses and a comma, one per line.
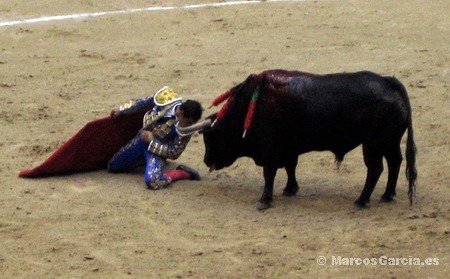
(192,109)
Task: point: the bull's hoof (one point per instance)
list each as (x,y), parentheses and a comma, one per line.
(290,192)
(360,204)
(387,198)
(262,205)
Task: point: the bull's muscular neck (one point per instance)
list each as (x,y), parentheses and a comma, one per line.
(275,81)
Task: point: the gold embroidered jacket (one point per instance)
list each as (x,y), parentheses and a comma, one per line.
(161,121)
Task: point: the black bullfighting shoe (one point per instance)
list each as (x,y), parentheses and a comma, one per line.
(194,174)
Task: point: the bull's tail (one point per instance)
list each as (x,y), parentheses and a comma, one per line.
(411,150)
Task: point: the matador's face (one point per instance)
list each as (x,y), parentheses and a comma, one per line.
(183,121)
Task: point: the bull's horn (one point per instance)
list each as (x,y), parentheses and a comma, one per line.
(194,128)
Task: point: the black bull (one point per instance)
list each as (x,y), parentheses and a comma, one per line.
(298,112)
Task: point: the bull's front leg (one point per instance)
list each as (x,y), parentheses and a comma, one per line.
(291,185)
(267,196)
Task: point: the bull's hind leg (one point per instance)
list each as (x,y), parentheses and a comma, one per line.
(373,158)
(394,159)
(291,186)
(267,196)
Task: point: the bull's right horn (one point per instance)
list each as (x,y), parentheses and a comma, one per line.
(189,130)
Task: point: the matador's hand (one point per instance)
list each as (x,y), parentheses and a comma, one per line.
(115,112)
(146,136)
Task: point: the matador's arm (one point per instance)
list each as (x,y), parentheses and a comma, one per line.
(136,105)
(171,150)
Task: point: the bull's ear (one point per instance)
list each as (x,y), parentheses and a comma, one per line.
(212,118)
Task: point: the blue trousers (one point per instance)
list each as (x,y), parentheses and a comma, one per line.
(133,154)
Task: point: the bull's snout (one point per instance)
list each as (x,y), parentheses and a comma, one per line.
(211,166)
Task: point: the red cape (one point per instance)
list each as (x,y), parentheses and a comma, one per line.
(90,148)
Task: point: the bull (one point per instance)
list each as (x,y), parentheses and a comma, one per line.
(275,116)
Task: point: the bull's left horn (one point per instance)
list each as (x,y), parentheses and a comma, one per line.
(194,128)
